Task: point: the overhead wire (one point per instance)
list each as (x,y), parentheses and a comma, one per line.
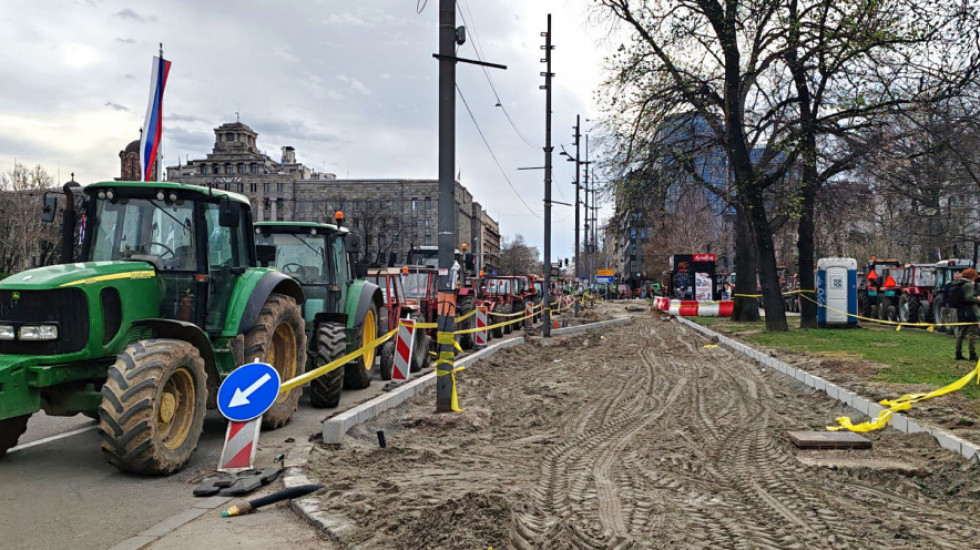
(478,49)
(494,155)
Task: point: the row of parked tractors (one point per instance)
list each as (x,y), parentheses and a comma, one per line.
(908,293)
(172,288)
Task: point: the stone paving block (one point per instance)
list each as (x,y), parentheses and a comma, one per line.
(861,405)
(946,441)
(900,422)
(915,427)
(832,390)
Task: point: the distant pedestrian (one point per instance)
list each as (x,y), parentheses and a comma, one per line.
(963,296)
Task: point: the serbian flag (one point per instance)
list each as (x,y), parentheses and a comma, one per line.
(153,125)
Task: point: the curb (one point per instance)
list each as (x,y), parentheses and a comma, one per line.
(864,406)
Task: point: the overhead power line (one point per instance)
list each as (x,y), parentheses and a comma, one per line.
(478,49)
(492,154)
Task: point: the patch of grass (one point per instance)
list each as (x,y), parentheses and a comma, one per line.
(907,356)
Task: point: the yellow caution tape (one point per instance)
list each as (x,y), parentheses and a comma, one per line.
(710,346)
(335,364)
(902,403)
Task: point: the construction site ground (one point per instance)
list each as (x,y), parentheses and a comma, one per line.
(637,436)
(956,412)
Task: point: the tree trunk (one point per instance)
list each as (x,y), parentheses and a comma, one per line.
(805,247)
(768,276)
(745,309)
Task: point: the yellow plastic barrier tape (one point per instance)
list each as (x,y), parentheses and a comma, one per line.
(466,316)
(902,403)
(446,358)
(929,326)
(335,364)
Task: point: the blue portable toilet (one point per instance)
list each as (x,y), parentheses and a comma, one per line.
(837,292)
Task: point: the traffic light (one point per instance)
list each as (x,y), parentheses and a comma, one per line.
(566,262)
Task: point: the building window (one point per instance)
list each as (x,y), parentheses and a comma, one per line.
(253,187)
(280,187)
(204,169)
(280,210)
(229,169)
(255,168)
(229,137)
(217,169)
(415,205)
(265,187)
(241,187)
(428,222)
(241,168)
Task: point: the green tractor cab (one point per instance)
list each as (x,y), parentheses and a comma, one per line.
(164,301)
(342,310)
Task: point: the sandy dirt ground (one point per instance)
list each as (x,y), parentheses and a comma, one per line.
(637,437)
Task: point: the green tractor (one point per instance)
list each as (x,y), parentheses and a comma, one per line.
(165,299)
(342,310)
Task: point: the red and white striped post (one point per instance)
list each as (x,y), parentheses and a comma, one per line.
(241,440)
(481,323)
(529,312)
(403,350)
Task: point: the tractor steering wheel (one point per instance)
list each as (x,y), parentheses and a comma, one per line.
(168,250)
(297,269)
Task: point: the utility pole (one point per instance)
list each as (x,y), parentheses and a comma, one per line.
(578,165)
(587,263)
(447,200)
(546,299)
(449,38)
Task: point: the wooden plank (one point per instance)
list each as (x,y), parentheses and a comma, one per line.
(829,440)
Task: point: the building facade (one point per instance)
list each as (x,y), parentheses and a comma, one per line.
(391,215)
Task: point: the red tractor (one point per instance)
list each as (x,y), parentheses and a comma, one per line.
(499,293)
(397,306)
(918,289)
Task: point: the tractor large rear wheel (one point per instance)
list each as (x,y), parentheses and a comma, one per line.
(464,306)
(10,431)
(330,346)
(508,309)
(497,332)
(278,338)
(357,374)
(153,405)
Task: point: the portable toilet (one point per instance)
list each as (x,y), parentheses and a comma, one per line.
(837,292)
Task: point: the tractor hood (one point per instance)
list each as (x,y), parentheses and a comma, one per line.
(78,274)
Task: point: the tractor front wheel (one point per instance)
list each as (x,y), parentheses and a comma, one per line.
(153,405)
(464,306)
(386,363)
(10,431)
(278,338)
(508,309)
(357,374)
(330,346)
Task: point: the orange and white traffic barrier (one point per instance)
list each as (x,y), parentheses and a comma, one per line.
(403,350)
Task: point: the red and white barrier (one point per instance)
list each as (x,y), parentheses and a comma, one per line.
(481,323)
(403,350)
(241,441)
(693,308)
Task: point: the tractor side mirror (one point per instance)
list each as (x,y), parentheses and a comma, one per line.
(360,270)
(49,208)
(353,241)
(470,262)
(266,254)
(229,213)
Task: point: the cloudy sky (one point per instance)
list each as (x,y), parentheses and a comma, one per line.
(351,84)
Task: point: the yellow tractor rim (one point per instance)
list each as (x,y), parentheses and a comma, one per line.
(175,415)
(282,355)
(369,333)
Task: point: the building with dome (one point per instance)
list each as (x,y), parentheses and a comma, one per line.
(129,164)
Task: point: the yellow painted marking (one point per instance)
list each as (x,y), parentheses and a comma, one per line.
(146,274)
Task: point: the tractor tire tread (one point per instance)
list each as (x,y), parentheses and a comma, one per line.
(331,343)
(278,308)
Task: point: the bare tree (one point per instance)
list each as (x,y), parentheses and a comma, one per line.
(24,240)
(518,258)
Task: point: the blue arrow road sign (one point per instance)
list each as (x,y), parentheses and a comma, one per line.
(604,279)
(248,392)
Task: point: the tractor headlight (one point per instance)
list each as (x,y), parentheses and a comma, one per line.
(38,332)
(6,332)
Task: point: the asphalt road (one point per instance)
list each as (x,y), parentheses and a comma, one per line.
(60,492)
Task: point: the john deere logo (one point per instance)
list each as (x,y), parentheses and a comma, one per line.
(15,296)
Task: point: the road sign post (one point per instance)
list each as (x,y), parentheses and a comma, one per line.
(243,398)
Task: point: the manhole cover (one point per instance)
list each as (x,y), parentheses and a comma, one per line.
(829,440)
